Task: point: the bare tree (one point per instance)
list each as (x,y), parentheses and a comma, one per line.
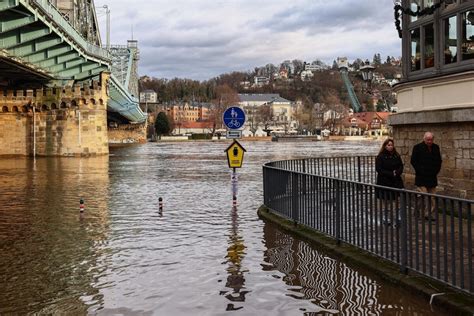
(306,115)
(225,97)
(265,115)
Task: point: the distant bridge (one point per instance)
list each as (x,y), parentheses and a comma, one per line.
(43,45)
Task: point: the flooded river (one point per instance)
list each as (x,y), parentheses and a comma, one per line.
(199,257)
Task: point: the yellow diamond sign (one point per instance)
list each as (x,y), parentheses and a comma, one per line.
(235,155)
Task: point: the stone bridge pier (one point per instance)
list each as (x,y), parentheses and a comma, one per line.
(61,121)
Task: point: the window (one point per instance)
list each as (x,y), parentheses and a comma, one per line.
(467,45)
(452,47)
(429,46)
(450,40)
(415,49)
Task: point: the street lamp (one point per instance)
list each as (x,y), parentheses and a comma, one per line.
(367,71)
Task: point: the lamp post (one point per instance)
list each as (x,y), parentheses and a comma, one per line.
(107,12)
(367,73)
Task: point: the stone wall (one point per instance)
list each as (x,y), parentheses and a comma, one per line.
(128,133)
(454,133)
(65,121)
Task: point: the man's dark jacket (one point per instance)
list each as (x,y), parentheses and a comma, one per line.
(427,164)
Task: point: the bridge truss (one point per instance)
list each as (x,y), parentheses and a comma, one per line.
(46,42)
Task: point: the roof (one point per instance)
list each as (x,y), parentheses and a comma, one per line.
(365,118)
(263,97)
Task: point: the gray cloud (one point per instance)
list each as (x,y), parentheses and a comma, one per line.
(320,16)
(200,39)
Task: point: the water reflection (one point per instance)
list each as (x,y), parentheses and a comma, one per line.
(332,286)
(235,255)
(49,256)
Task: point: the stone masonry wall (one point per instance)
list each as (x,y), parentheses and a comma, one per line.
(128,134)
(456,141)
(65,121)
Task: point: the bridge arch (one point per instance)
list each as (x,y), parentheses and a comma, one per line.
(44,107)
(54,106)
(73,104)
(5,109)
(63,105)
(15,109)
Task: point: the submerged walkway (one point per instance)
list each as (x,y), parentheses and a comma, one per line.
(348,211)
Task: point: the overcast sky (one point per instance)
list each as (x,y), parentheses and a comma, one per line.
(201,39)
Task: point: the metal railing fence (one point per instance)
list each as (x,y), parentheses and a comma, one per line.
(69,31)
(387,222)
(353,168)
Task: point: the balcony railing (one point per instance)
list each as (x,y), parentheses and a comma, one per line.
(338,197)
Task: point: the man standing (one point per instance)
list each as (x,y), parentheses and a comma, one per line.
(426,159)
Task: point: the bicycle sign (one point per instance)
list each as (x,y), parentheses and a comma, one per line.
(234,117)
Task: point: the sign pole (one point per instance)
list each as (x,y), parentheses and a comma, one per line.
(234,119)
(234,187)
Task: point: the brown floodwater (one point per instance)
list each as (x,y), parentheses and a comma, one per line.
(200,256)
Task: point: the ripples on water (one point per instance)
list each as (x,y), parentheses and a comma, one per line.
(200,257)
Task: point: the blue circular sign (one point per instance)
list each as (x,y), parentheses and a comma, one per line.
(234,118)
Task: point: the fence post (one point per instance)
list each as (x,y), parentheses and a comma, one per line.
(265,194)
(337,212)
(294,197)
(403,234)
(358,169)
(304,179)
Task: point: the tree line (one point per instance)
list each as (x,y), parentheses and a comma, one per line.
(325,87)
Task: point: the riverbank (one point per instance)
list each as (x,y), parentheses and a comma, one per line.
(456,302)
(269,138)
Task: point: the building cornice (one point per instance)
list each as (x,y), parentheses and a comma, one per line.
(467,75)
(457,115)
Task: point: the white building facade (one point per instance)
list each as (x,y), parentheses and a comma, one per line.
(149,96)
(282,111)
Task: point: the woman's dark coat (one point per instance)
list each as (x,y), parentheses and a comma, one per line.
(427,165)
(385,164)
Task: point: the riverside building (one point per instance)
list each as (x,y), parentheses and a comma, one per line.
(436,92)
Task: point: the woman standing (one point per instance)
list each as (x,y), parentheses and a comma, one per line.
(389,167)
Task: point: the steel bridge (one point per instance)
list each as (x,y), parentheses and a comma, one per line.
(57,43)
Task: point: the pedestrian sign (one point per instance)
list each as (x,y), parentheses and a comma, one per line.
(235,154)
(234,117)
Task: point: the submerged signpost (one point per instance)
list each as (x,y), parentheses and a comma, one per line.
(234,120)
